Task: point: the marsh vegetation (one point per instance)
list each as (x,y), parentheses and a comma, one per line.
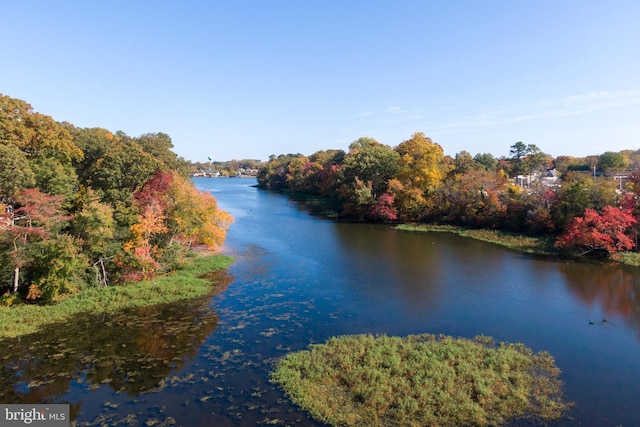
(421,380)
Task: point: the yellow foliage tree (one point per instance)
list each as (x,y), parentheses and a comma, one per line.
(421,163)
(422,169)
(194,215)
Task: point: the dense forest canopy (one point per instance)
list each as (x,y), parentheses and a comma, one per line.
(87,207)
(589,204)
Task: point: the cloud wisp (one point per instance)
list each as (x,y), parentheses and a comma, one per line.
(547,109)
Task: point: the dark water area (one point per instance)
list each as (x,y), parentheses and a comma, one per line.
(300,279)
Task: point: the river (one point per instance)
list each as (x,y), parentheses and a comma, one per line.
(299,279)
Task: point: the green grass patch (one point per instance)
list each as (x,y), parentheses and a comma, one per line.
(187,283)
(517,242)
(421,380)
(629,258)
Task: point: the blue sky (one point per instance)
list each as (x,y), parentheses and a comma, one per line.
(246,79)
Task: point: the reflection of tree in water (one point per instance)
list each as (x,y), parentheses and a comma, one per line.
(614,287)
(132,350)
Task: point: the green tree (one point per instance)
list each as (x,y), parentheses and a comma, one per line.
(94,143)
(160,146)
(517,152)
(612,162)
(15,171)
(370,161)
(579,192)
(95,228)
(365,174)
(487,161)
(535,160)
(53,176)
(357,199)
(464,162)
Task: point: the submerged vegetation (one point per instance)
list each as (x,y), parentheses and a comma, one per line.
(189,282)
(422,380)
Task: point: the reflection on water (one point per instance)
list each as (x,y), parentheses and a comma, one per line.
(614,289)
(299,280)
(131,351)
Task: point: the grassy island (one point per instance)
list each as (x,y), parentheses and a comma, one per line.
(422,380)
(189,282)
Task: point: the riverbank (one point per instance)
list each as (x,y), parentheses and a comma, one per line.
(516,242)
(190,282)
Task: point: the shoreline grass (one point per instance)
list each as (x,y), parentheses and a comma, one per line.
(362,380)
(517,242)
(186,283)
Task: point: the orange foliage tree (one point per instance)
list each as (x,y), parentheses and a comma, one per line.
(173,214)
(194,216)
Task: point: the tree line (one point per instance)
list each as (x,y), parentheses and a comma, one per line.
(580,204)
(86,207)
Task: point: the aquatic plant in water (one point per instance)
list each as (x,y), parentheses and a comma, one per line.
(422,380)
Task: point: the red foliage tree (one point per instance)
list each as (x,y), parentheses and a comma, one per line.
(383,209)
(609,231)
(36,218)
(154,190)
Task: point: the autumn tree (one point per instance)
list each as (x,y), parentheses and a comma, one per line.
(331,161)
(421,169)
(194,216)
(383,209)
(173,215)
(578,192)
(33,132)
(472,198)
(609,231)
(30,236)
(275,175)
(301,174)
(421,163)
(364,175)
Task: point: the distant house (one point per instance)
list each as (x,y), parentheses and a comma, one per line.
(550,178)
